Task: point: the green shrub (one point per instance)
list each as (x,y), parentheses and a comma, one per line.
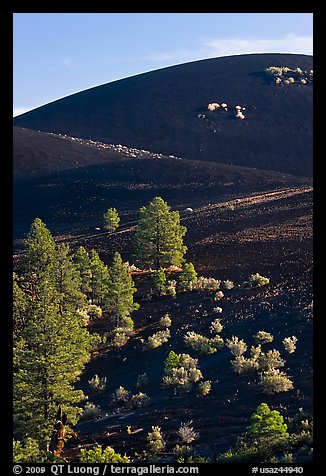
(98,455)
(28,452)
(173,361)
(155,440)
(236,346)
(187,277)
(263,337)
(159,281)
(267,426)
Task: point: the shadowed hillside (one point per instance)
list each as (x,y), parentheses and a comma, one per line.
(165,111)
(71,183)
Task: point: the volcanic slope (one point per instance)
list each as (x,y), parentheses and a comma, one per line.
(70,182)
(165,111)
(268,233)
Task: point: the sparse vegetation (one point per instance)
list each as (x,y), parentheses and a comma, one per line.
(206,284)
(219,295)
(227,285)
(139,400)
(242,365)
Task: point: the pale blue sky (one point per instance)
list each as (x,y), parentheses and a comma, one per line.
(57,54)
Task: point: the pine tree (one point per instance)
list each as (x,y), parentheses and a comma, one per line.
(99,279)
(51,344)
(111,219)
(159,236)
(121,289)
(49,355)
(40,249)
(188,274)
(82,262)
(267,426)
(67,280)
(159,281)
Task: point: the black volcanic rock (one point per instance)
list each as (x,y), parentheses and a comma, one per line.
(162,111)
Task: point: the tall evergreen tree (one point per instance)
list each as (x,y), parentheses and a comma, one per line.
(99,279)
(159,236)
(81,260)
(40,249)
(51,345)
(121,289)
(67,280)
(49,355)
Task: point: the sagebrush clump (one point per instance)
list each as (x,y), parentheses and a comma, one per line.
(187,433)
(275,381)
(263,337)
(90,412)
(203,344)
(181,372)
(290,344)
(158,339)
(236,346)
(97,384)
